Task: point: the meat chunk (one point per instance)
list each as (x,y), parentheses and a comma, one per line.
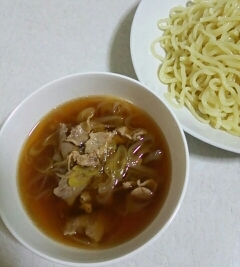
(149,183)
(66,192)
(132,135)
(91,225)
(145,190)
(78,135)
(98,143)
(62,131)
(65,147)
(128,184)
(141,193)
(83,160)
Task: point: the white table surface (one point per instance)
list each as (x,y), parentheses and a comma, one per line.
(44,40)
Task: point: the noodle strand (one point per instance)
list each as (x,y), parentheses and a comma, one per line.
(201,64)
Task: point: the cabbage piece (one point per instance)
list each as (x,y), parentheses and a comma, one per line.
(116,164)
(81,176)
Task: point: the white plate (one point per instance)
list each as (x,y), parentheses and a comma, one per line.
(144,30)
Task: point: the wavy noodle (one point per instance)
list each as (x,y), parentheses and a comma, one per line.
(113,107)
(96,126)
(154,155)
(36,149)
(43,164)
(39,146)
(130,121)
(138,149)
(110,121)
(201,65)
(144,171)
(84,114)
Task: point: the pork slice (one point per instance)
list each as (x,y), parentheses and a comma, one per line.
(66,192)
(62,131)
(92,225)
(83,159)
(78,135)
(131,134)
(124,131)
(142,193)
(128,184)
(145,190)
(98,143)
(66,148)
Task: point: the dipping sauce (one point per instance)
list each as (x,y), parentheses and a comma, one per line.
(94,172)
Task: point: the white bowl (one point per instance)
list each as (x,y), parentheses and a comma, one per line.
(30,111)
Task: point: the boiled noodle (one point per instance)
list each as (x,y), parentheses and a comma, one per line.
(202,62)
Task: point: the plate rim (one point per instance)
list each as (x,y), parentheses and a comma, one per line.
(144,6)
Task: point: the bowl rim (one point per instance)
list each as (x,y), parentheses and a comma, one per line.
(183,190)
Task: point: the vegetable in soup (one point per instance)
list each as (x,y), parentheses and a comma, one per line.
(94,172)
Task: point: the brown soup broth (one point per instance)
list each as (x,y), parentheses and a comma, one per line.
(50,213)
